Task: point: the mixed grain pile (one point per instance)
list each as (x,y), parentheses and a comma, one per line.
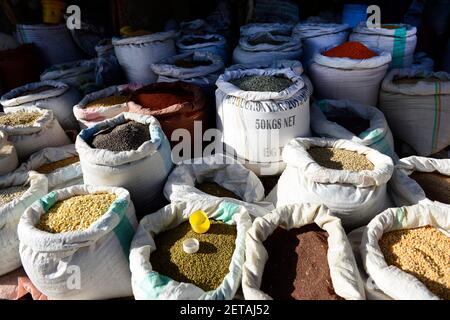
(9,194)
(19,118)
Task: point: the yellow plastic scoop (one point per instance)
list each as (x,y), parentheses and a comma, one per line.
(199,221)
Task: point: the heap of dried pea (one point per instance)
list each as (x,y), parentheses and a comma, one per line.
(9,194)
(76,213)
(208,267)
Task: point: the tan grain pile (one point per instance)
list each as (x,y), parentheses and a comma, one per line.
(50,167)
(340,159)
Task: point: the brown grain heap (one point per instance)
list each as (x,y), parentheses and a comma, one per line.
(208,267)
(52,166)
(216,190)
(422,252)
(297,266)
(435,185)
(340,159)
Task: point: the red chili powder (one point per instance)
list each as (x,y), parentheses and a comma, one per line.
(162,99)
(352,50)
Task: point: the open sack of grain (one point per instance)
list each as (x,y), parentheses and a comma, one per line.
(399,40)
(8,155)
(18,190)
(101,105)
(199,68)
(276,29)
(417,106)
(213,43)
(137,54)
(265,47)
(31,129)
(293,65)
(404,253)
(350,71)
(213,177)
(75,242)
(162,270)
(107,68)
(274,102)
(300,252)
(51,95)
(349,178)
(419,179)
(344,119)
(61,165)
(317,36)
(129,151)
(176,105)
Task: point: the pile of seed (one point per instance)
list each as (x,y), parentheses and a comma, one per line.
(38,90)
(208,267)
(264,39)
(199,40)
(125,137)
(19,118)
(50,167)
(9,194)
(340,159)
(297,266)
(189,63)
(216,190)
(422,252)
(350,121)
(76,213)
(415,80)
(262,83)
(107,102)
(435,185)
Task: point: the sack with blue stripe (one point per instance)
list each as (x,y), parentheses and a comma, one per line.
(397,39)
(377,136)
(87,264)
(151,285)
(143,172)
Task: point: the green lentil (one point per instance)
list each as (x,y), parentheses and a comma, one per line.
(340,159)
(214,189)
(208,267)
(19,118)
(262,83)
(9,194)
(76,213)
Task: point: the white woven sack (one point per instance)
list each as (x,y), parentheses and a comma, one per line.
(11,212)
(289,49)
(74,73)
(97,256)
(277,117)
(143,172)
(151,285)
(44,132)
(214,43)
(294,65)
(203,76)
(417,113)
(60,178)
(354,197)
(400,43)
(391,280)
(406,191)
(317,36)
(8,155)
(378,136)
(343,269)
(349,79)
(280,29)
(223,170)
(88,117)
(60,100)
(137,54)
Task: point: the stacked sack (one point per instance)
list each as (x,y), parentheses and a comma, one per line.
(142,171)
(198,68)
(212,43)
(38,130)
(344,119)
(33,187)
(215,176)
(397,39)
(318,36)
(8,155)
(52,95)
(277,117)
(353,195)
(416,105)
(349,71)
(107,69)
(137,54)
